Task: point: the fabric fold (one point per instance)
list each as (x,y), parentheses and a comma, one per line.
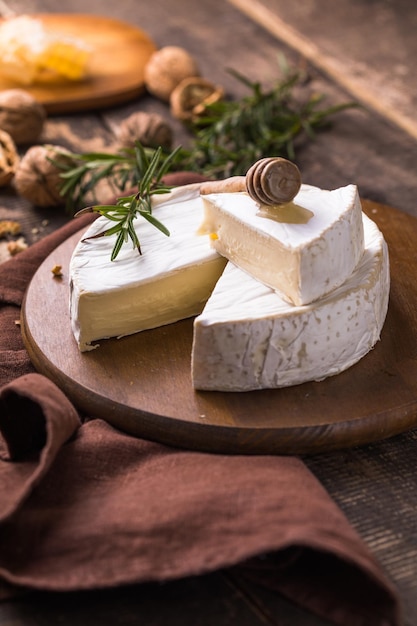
(117,510)
(35,420)
(85,506)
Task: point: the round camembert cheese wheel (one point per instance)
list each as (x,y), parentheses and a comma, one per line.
(248,337)
(324,311)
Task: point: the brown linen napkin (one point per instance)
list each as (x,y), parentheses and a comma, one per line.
(84,506)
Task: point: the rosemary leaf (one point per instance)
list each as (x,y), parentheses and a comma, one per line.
(118,245)
(127,208)
(152,219)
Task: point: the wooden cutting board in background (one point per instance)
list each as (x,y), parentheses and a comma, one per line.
(142,383)
(119,55)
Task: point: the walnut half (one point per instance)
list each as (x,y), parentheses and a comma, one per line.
(192,95)
(9,158)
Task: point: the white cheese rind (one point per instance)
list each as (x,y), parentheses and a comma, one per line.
(171,280)
(249,338)
(311,252)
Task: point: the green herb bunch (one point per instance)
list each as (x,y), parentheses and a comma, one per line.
(235,134)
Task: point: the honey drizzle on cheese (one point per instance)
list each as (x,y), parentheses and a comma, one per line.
(288,213)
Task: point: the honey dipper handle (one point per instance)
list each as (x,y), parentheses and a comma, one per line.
(228,185)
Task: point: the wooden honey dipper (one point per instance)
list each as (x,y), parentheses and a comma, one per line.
(271,181)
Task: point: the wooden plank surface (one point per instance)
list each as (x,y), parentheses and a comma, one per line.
(367,48)
(375,485)
(219,599)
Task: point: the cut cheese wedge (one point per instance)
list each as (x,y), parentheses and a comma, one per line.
(303,250)
(249,338)
(170,281)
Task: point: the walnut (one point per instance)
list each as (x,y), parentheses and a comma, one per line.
(21,116)
(150,129)
(191,96)
(166,68)
(9,159)
(38,178)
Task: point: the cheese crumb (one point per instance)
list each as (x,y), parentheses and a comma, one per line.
(9,227)
(14,247)
(57,271)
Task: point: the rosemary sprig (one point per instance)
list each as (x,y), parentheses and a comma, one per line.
(82,172)
(127,208)
(235,134)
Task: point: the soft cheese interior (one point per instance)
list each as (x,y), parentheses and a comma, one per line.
(248,337)
(303,250)
(170,281)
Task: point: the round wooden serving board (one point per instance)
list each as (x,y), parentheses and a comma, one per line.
(119,55)
(142,384)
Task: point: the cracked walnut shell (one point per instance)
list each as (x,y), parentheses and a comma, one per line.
(192,95)
(21,116)
(9,158)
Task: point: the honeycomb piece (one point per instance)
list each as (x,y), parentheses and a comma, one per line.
(27,51)
(66,57)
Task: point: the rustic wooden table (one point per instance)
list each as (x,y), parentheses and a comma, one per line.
(375,484)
